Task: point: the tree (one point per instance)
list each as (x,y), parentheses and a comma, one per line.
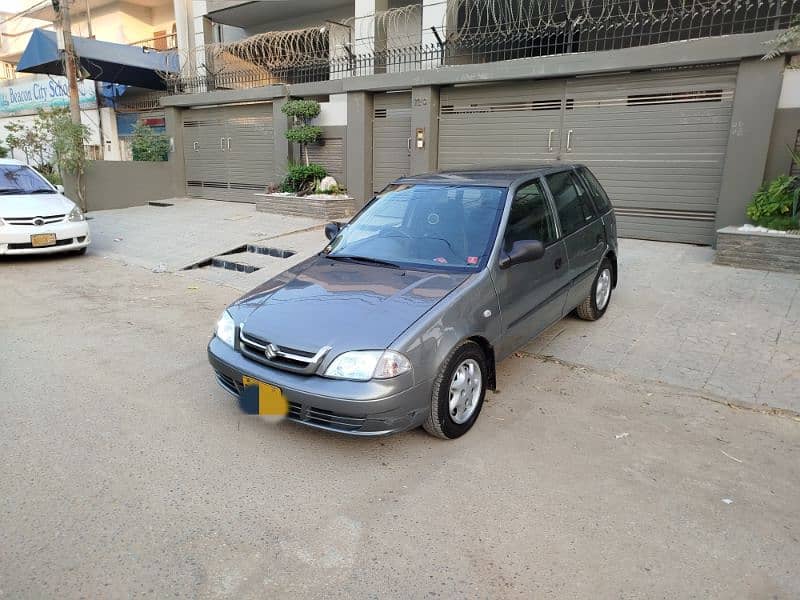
(301,132)
(16,138)
(788,40)
(69,140)
(147,145)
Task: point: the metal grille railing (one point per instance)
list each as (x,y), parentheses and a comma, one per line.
(618,24)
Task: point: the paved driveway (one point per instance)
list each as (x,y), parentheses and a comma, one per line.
(679,319)
(127,473)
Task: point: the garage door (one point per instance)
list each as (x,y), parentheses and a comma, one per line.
(391,138)
(229,151)
(511,123)
(656,140)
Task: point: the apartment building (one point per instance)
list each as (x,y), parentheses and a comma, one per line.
(109,111)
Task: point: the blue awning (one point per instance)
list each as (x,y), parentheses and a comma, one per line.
(103,61)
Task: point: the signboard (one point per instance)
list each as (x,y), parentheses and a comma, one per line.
(25,95)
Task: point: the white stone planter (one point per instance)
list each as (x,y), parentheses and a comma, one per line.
(758,250)
(317,206)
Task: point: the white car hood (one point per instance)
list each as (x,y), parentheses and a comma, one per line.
(35,205)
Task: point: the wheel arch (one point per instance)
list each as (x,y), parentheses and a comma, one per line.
(612,256)
(488,352)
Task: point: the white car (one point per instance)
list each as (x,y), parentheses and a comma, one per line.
(35,218)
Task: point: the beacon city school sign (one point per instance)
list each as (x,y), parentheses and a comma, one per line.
(21,96)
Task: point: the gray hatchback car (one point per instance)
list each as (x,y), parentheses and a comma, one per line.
(402,318)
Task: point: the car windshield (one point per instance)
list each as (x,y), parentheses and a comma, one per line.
(450,227)
(21,179)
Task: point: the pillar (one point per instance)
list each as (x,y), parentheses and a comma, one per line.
(758,87)
(359,146)
(425,116)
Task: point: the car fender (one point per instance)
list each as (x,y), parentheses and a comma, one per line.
(471,311)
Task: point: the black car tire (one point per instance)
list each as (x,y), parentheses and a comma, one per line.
(588,309)
(440,423)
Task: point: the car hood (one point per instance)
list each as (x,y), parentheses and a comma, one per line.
(35,205)
(346,306)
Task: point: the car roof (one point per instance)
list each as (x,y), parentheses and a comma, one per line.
(500,176)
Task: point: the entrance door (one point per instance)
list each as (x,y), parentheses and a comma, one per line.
(391,138)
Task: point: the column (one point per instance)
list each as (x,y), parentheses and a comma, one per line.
(425,117)
(359,146)
(367,38)
(758,87)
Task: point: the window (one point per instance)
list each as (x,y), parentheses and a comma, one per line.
(596,191)
(572,202)
(530,218)
(426,226)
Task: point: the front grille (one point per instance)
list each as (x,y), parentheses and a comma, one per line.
(28,245)
(30,220)
(280,357)
(303,413)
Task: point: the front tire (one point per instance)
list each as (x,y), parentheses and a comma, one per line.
(596,303)
(458,392)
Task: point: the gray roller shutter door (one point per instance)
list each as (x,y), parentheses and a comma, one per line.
(391,131)
(229,152)
(657,142)
(509,123)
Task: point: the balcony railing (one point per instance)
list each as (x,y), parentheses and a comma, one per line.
(161,43)
(620,25)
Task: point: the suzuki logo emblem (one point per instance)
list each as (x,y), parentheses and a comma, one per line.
(38,221)
(271,351)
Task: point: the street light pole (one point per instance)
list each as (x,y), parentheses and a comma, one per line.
(70,66)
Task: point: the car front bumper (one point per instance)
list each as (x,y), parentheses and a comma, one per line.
(360,408)
(16,239)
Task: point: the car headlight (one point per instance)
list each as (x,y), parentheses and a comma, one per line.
(76,215)
(363,365)
(226,329)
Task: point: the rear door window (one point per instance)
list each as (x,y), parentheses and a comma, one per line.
(596,190)
(575,209)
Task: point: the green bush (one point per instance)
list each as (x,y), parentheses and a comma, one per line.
(775,204)
(3,152)
(301,179)
(304,134)
(147,145)
(305,110)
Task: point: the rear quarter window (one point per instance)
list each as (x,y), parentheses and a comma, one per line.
(596,190)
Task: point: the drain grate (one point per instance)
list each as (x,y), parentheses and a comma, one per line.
(247,258)
(278,252)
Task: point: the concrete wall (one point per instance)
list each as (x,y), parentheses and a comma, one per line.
(111,184)
(784,133)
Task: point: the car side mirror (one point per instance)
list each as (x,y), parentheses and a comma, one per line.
(332,230)
(60,189)
(521,252)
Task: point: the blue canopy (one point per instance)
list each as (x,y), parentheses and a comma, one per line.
(103,61)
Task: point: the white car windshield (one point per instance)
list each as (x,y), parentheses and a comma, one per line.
(21,179)
(450,227)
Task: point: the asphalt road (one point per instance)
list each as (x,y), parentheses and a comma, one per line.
(125,472)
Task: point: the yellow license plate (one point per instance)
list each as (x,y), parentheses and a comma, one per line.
(271,400)
(41,240)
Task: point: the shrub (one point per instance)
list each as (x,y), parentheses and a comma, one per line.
(775,204)
(3,152)
(301,112)
(302,179)
(147,145)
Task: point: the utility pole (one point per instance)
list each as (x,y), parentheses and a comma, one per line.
(70,66)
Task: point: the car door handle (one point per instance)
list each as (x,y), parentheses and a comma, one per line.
(557,264)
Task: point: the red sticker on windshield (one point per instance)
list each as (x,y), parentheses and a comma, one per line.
(472,260)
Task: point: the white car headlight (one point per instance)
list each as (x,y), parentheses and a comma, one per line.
(76,215)
(226,329)
(363,365)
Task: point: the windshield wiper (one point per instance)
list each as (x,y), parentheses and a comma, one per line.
(363,259)
(10,191)
(41,191)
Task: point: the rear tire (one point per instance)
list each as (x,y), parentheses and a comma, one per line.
(596,303)
(458,392)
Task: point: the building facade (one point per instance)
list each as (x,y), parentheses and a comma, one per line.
(146,23)
(671,105)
